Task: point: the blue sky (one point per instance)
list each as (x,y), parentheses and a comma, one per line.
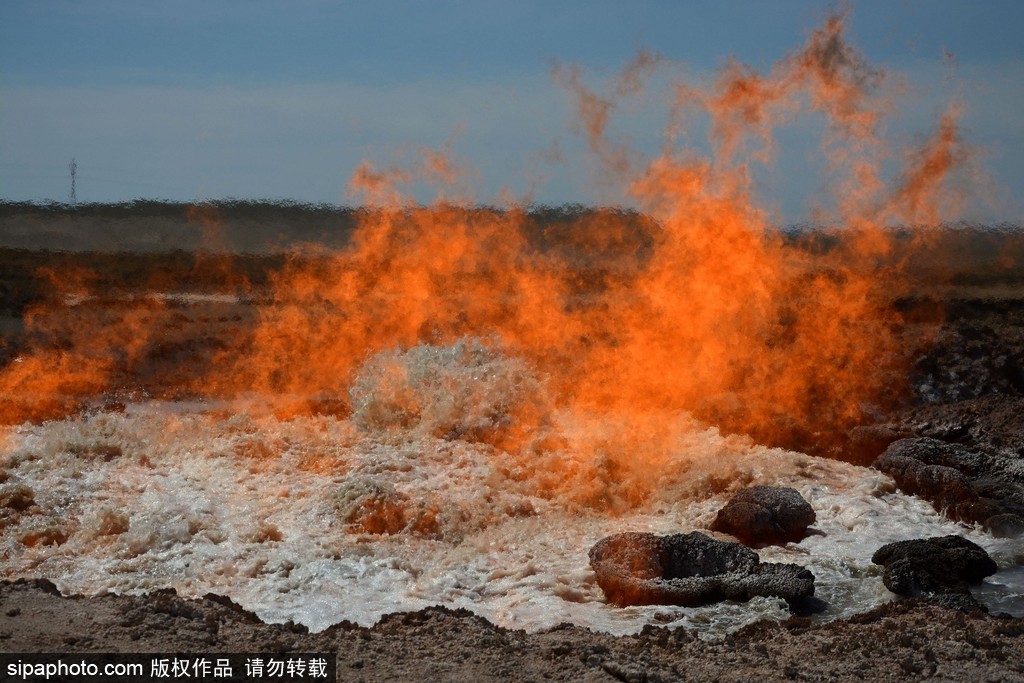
(195,99)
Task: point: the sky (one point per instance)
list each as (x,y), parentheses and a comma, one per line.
(201,99)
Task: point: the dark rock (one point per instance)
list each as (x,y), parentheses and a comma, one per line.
(867,442)
(807,607)
(1005,525)
(939,453)
(964,483)
(968,361)
(43,585)
(765,515)
(991,423)
(945,564)
(961,602)
(690,570)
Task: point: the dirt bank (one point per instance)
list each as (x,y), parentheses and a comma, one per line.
(904,639)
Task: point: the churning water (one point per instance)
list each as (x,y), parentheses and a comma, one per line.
(458,477)
(409,503)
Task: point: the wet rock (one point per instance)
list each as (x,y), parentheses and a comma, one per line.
(991,423)
(910,463)
(765,515)
(866,442)
(944,564)
(690,570)
(939,453)
(1005,525)
(970,360)
(966,484)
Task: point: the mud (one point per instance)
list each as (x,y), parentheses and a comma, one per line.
(912,638)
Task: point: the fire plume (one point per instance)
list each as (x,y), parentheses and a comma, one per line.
(693,304)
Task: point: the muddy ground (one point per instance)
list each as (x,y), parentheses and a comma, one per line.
(965,347)
(909,639)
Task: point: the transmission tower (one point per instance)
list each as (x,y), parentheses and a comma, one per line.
(73,168)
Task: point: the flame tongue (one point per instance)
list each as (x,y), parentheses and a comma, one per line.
(692,305)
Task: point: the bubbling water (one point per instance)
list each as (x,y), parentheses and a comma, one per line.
(320,519)
(693,304)
(506,391)
(465,390)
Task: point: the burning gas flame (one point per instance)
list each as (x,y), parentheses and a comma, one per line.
(695,304)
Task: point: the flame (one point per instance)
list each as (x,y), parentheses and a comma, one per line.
(73,353)
(213,262)
(694,304)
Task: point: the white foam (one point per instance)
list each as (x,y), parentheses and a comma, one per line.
(284,516)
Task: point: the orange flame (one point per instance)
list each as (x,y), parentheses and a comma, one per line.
(695,305)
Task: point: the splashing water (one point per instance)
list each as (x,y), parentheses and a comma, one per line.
(695,305)
(318,520)
(506,393)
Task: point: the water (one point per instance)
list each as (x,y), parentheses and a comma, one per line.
(318,519)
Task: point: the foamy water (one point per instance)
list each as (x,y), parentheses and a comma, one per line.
(319,519)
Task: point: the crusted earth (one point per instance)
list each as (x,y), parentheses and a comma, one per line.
(909,639)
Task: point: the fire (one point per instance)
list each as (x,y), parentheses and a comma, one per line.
(695,304)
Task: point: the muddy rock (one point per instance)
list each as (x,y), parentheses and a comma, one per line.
(970,360)
(690,570)
(966,484)
(990,423)
(945,564)
(865,443)
(766,515)
(906,639)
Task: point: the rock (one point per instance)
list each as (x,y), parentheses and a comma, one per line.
(765,515)
(945,564)
(968,361)
(961,602)
(1005,525)
(865,443)
(938,453)
(690,570)
(991,423)
(966,484)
